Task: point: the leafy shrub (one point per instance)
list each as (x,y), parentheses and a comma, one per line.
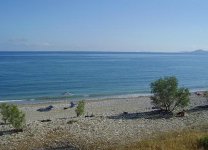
(80,108)
(203,142)
(13,115)
(4,110)
(167,96)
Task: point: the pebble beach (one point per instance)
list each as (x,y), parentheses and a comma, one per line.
(108,122)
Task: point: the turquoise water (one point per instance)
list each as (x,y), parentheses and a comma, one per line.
(42,75)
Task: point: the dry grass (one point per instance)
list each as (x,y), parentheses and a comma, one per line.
(185,140)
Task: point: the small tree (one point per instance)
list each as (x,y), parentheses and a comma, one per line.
(80,108)
(167,96)
(17,117)
(4,110)
(13,115)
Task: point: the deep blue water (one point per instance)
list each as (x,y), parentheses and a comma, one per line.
(28,75)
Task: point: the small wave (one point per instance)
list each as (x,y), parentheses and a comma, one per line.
(198,89)
(67,94)
(7,101)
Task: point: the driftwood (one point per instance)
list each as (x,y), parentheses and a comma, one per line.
(92,115)
(181,114)
(46,120)
(199,93)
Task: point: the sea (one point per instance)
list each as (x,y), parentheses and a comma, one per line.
(35,76)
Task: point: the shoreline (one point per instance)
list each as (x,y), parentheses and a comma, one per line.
(61,99)
(57,99)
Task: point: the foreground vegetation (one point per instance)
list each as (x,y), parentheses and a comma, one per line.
(192,139)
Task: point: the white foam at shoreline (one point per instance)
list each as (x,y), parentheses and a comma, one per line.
(6,101)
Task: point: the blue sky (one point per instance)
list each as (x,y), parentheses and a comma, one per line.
(104,25)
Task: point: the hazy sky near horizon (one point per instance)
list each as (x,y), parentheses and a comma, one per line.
(104,25)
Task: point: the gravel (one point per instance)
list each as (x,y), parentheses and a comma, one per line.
(109,126)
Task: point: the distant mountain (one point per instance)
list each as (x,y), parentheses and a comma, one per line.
(200,51)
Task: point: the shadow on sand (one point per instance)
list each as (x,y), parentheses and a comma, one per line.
(63,148)
(155,114)
(12,131)
(198,108)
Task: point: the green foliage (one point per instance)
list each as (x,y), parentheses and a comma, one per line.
(17,117)
(80,108)
(167,96)
(4,110)
(203,142)
(13,115)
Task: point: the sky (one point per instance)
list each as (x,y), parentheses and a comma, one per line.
(103,25)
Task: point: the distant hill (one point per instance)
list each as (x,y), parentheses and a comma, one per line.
(200,51)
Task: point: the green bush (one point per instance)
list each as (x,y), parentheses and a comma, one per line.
(4,110)
(11,114)
(80,108)
(167,96)
(203,142)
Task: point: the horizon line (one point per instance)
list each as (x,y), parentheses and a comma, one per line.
(200,50)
